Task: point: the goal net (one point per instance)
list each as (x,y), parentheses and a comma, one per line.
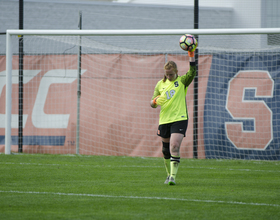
(234,113)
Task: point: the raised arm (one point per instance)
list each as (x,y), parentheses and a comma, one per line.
(189,76)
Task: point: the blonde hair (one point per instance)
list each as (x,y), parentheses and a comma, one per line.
(169,65)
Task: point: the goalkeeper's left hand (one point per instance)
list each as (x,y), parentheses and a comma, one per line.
(191,53)
(194,47)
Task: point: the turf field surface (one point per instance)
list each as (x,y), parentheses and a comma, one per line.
(107,187)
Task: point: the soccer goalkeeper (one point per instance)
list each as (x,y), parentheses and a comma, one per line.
(170,93)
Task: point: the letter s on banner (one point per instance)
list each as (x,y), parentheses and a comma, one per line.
(254,110)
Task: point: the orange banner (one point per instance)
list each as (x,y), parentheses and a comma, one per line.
(115,116)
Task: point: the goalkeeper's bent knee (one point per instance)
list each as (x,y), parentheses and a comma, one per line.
(166,150)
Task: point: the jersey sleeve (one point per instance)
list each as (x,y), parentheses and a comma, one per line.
(156,91)
(189,76)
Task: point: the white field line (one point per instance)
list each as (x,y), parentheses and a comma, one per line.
(141,197)
(184,166)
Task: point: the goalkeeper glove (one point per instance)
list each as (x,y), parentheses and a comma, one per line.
(191,53)
(155,100)
(159,100)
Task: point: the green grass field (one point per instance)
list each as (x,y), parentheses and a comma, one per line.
(107,187)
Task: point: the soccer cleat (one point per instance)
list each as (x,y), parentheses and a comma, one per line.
(167,180)
(171,181)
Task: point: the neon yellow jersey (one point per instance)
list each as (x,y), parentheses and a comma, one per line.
(173,97)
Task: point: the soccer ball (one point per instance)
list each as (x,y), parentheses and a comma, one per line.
(188,42)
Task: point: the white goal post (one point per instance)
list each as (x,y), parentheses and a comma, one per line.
(220,51)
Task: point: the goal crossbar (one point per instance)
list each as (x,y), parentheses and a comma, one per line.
(230,31)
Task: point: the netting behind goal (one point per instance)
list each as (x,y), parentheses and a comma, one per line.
(238,95)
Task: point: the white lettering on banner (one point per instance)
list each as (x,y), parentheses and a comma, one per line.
(28,75)
(39,118)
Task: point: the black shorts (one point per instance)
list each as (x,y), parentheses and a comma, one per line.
(165,130)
